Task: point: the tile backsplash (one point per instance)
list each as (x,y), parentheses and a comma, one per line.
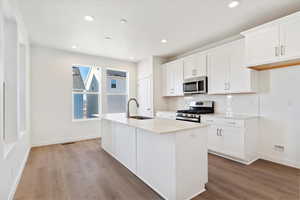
(235,103)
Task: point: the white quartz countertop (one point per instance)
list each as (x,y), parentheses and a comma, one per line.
(155,125)
(232,116)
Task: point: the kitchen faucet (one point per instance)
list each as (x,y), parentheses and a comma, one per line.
(137,104)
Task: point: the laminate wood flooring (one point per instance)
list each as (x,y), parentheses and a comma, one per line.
(83,171)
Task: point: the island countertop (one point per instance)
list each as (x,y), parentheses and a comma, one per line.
(155,125)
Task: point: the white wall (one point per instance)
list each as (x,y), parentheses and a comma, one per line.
(52,99)
(13,155)
(277,104)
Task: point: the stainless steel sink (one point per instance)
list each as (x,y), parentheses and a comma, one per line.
(140,117)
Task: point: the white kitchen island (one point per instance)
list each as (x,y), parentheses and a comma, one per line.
(168,155)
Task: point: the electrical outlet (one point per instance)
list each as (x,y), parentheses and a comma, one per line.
(279,148)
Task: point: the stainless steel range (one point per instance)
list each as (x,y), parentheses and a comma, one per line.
(196,109)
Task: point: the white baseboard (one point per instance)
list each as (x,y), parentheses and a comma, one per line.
(65,140)
(18,178)
(233,158)
(286,162)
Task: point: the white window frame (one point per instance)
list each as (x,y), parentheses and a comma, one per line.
(95,93)
(127,84)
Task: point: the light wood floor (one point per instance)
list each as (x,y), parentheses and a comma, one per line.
(83,171)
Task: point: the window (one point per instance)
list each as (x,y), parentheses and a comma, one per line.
(116,91)
(86,92)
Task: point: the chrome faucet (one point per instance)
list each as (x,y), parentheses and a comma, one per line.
(137,104)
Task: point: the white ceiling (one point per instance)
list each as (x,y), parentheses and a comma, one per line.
(186,24)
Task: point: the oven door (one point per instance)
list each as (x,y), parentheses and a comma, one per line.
(202,85)
(190,87)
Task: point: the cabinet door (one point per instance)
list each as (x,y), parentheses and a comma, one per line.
(189,66)
(262,46)
(169,80)
(290,39)
(233,142)
(215,141)
(145,97)
(106,136)
(125,145)
(195,65)
(218,69)
(201,64)
(240,75)
(156,161)
(178,78)
(164,80)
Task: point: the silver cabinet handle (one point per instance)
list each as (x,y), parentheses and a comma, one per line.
(194,72)
(282,49)
(220,132)
(4,107)
(148,109)
(276,51)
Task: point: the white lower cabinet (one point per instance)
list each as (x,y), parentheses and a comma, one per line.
(174,164)
(125,145)
(232,138)
(156,161)
(120,141)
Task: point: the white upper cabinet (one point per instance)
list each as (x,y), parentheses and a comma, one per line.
(145,97)
(274,42)
(173,78)
(195,65)
(218,70)
(262,45)
(290,40)
(241,78)
(227,72)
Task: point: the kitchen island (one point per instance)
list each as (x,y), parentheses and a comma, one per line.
(168,155)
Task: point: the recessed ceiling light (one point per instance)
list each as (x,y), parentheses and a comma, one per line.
(234,4)
(123,21)
(89,18)
(74,46)
(164,41)
(108,38)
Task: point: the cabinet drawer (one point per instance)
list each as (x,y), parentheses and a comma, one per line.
(224,122)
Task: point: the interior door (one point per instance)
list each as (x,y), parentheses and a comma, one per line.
(263,45)
(218,70)
(290,40)
(145,97)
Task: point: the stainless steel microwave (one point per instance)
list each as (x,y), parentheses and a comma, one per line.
(195,85)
